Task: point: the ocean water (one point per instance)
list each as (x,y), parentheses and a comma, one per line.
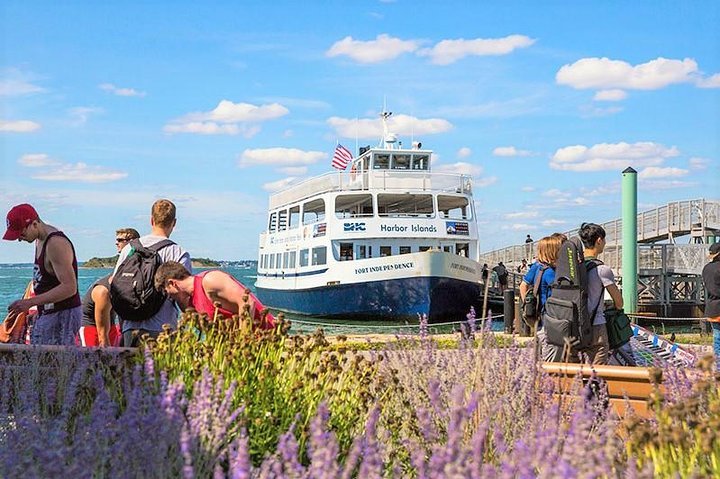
(15,277)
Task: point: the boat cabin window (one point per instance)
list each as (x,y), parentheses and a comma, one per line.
(381,161)
(319,255)
(401,162)
(447,249)
(272,223)
(425,248)
(304,257)
(313,211)
(385,251)
(282,220)
(420,162)
(291,261)
(462,249)
(454,207)
(294,217)
(405,205)
(405,250)
(272,261)
(346,251)
(353,206)
(285,260)
(364,251)
(278,260)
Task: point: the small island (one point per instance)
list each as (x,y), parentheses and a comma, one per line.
(109,262)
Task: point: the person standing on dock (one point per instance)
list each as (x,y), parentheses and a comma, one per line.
(55,278)
(502,276)
(711,280)
(162,223)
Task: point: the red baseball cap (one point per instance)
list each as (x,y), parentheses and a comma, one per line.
(17,219)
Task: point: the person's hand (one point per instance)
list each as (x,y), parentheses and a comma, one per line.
(20,306)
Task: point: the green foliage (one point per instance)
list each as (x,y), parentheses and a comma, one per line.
(280,379)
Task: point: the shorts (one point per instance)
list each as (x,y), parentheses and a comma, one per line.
(88,336)
(57,327)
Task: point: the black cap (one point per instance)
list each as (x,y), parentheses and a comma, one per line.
(715,248)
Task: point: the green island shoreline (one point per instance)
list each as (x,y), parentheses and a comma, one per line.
(109,262)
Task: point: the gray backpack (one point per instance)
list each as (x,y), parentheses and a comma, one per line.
(566,316)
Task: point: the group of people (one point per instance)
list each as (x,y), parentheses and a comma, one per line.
(64,318)
(600,279)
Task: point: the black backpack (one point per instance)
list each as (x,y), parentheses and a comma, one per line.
(531,308)
(132,292)
(566,316)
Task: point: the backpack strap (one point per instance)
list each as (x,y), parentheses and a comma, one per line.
(538,280)
(590,265)
(160,245)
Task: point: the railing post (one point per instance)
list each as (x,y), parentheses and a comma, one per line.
(509,310)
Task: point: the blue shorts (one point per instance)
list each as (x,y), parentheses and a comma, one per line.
(57,327)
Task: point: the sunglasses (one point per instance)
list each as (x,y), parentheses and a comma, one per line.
(121,240)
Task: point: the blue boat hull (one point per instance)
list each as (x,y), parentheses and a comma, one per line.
(443,299)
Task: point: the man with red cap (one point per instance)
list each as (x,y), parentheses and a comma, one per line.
(54,278)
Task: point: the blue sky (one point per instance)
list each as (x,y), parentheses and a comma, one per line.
(106,108)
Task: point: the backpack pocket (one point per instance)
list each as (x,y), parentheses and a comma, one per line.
(560,320)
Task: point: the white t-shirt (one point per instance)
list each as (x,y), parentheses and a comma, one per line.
(168,312)
(599,279)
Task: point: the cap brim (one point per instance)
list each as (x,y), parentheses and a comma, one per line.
(11,234)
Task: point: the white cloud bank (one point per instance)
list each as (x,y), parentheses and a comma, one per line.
(509,151)
(661,172)
(611,156)
(120,91)
(227,118)
(464,168)
(610,95)
(287,157)
(383,48)
(446,52)
(604,74)
(464,152)
(55,170)
(398,124)
(18,126)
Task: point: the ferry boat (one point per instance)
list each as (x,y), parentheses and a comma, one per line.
(386,239)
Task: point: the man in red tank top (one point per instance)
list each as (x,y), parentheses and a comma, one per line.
(203,290)
(54,278)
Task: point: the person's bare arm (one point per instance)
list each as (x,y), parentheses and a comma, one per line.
(59,254)
(616,295)
(101,296)
(222,286)
(524,288)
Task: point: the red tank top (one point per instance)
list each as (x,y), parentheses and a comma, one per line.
(43,280)
(203,304)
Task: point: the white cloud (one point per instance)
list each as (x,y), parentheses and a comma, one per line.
(36,160)
(119,91)
(17,83)
(383,48)
(521,215)
(661,172)
(519,227)
(555,193)
(294,170)
(227,118)
(280,156)
(604,73)
(667,184)
(610,95)
(18,126)
(510,151)
(461,168)
(592,111)
(698,163)
(485,181)
(553,222)
(80,114)
(80,172)
(464,152)
(450,51)
(398,124)
(611,156)
(278,185)
(709,82)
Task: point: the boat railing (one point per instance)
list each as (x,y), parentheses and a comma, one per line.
(390,180)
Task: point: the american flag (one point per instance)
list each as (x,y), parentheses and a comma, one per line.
(341,157)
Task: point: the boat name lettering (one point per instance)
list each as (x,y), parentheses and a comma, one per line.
(354,227)
(414,228)
(384,267)
(462,267)
(289,239)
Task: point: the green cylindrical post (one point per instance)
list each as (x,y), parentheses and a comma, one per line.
(629,240)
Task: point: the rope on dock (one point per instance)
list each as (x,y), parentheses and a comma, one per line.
(382,326)
(663,318)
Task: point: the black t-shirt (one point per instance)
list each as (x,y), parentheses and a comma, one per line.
(88,305)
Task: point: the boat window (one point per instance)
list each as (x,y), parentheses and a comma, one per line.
(313,211)
(462,249)
(420,162)
(291,261)
(304,257)
(272,261)
(401,162)
(385,251)
(425,248)
(282,220)
(272,223)
(405,205)
(285,260)
(294,217)
(447,249)
(454,207)
(362,252)
(405,250)
(381,162)
(346,251)
(319,255)
(353,206)
(278,260)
